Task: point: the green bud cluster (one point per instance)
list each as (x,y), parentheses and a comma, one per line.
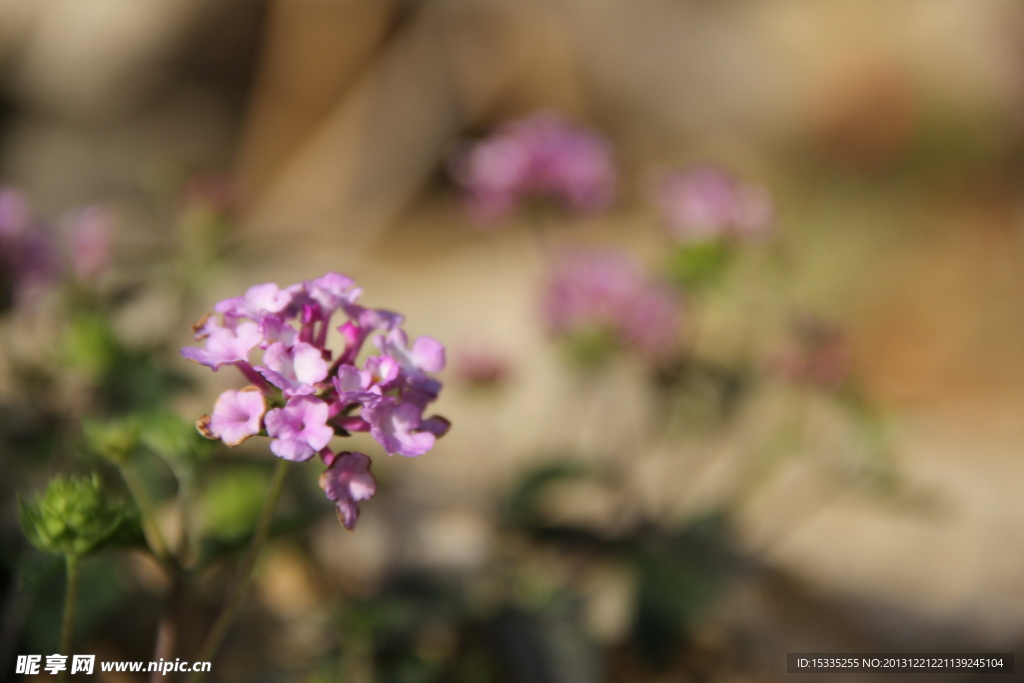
(73,517)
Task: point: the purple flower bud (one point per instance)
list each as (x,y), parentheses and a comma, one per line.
(347,481)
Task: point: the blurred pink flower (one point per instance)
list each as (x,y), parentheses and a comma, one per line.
(705,203)
(92,242)
(604,291)
(542,158)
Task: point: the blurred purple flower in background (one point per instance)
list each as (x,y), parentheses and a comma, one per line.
(33,254)
(604,292)
(704,203)
(540,158)
(315,393)
(27,253)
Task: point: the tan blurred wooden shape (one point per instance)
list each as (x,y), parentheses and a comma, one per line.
(342,159)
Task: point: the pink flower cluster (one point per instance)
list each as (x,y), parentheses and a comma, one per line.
(302,394)
(704,203)
(603,290)
(541,158)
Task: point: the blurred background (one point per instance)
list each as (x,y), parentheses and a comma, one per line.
(629,521)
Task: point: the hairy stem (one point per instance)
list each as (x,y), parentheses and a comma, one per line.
(224,621)
(70,599)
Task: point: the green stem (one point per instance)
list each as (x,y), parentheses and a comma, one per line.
(224,621)
(153,535)
(70,599)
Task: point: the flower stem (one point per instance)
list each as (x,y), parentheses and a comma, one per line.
(70,599)
(220,628)
(152,530)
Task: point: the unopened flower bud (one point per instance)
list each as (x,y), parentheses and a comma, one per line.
(73,517)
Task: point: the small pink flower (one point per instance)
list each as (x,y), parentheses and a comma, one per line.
(333,291)
(274,329)
(383,370)
(347,481)
(426,354)
(236,416)
(355,386)
(293,369)
(398,427)
(258,300)
(225,346)
(299,429)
